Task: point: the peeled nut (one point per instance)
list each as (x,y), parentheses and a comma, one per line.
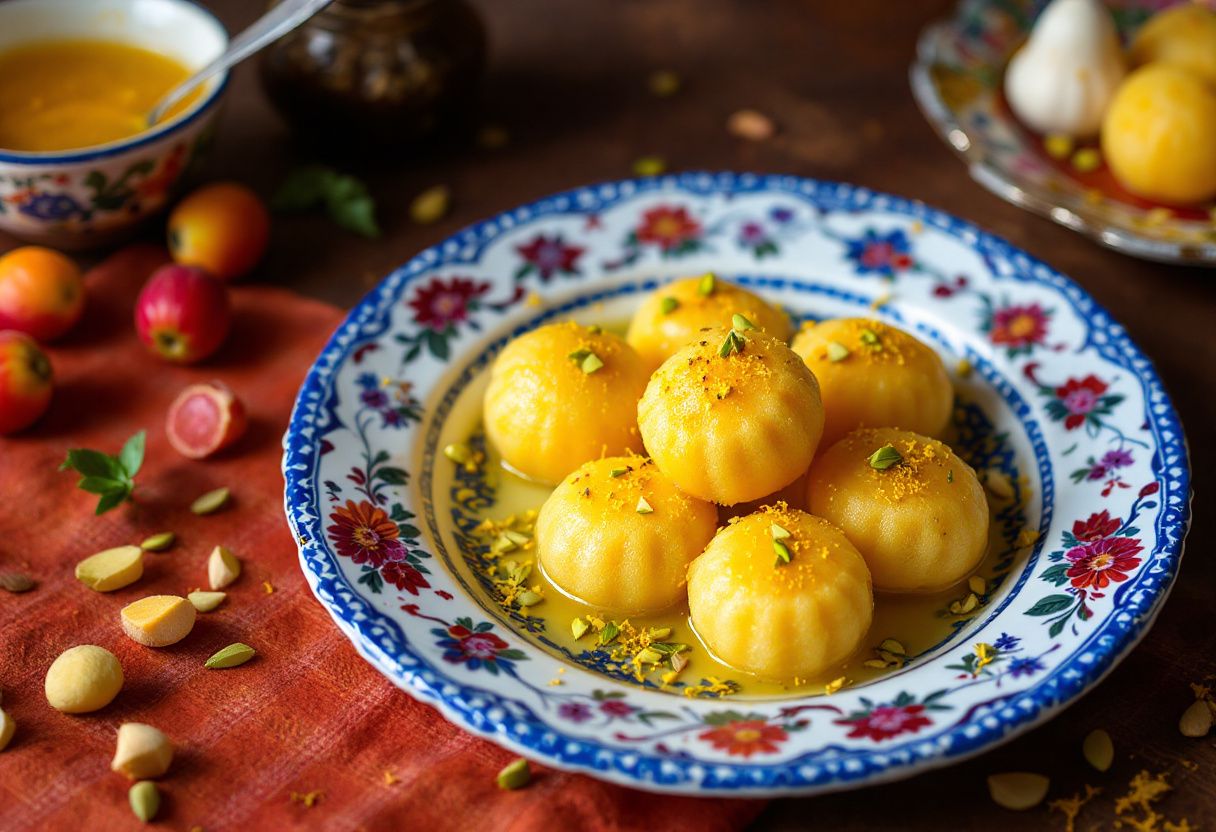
(159,620)
(142,752)
(206,601)
(1196,721)
(83,679)
(1018,790)
(7,727)
(222,567)
(112,569)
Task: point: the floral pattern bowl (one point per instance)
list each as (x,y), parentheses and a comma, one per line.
(94,196)
(1080,446)
(956,79)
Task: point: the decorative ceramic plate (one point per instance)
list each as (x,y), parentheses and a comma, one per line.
(957,78)
(1060,412)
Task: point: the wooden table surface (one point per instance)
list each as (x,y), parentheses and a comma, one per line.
(568,80)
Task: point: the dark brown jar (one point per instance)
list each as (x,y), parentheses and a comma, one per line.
(365,73)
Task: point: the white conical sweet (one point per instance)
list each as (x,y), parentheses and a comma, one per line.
(1062,80)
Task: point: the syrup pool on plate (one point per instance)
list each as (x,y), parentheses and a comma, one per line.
(488,500)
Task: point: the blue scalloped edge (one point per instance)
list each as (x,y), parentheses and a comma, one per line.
(513,724)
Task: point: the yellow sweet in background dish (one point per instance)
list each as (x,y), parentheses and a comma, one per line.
(1184,35)
(561,395)
(733,416)
(62,95)
(1159,135)
(873,374)
(914,510)
(673,315)
(778,618)
(617,534)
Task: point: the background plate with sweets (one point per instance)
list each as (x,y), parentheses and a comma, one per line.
(1059,411)
(957,80)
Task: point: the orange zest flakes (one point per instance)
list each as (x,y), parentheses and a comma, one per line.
(1144,790)
(267,587)
(985,654)
(1070,807)
(390,778)
(834,685)
(308,799)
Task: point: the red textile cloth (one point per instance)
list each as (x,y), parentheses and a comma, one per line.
(307,715)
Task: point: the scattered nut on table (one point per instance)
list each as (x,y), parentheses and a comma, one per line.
(84,678)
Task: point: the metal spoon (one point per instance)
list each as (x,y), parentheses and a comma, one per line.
(268,28)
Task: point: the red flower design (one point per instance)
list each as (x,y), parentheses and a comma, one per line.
(1080,397)
(1151,488)
(473,645)
(404,576)
(551,254)
(744,738)
(1099,563)
(616,707)
(363,533)
(1098,526)
(1019,326)
(887,721)
(668,227)
(438,304)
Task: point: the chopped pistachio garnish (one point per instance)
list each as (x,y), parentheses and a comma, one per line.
(740,322)
(595,329)
(659,633)
(644,507)
(619,472)
(669,305)
(677,662)
(158,542)
(515,776)
(579,628)
(966,605)
(783,552)
(707,284)
(837,352)
(668,648)
(884,458)
(458,452)
(587,360)
(977,584)
(609,633)
(733,343)
(528,598)
(649,655)
(778,532)
(890,645)
(518,538)
(870,338)
(950,475)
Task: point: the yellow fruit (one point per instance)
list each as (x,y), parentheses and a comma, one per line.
(1184,36)
(775,619)
(562,395)
(83,679)
(159,620)
(623,542)
(921,524)
(111,569)
(872,374)
(1159,135)
(673,315)
(731,425)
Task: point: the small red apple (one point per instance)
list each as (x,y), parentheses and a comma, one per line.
(204,419)
(182,314)
(25,381)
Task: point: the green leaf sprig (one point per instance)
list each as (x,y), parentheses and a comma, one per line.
(346,198)
(110,477)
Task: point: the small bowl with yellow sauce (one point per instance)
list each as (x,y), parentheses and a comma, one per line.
(79,166)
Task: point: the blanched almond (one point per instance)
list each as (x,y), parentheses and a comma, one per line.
(142,752)
(222,567)
(159,620)
(1018,790)
(111,569)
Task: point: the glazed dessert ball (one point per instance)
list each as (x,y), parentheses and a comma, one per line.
(617,534)
(1159,135)
(673,315)
(733,416)
(1184,36)
(778,619)
(872,374)
(561,395)
(914,510)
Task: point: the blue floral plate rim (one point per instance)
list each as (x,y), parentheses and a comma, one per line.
(468,705)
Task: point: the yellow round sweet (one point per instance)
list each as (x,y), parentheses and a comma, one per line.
(1159,135)
(561,395)
(731,424)
(617,534)
(875,375)
(780,620)
(921,524)
(1184,36)
(673,315)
